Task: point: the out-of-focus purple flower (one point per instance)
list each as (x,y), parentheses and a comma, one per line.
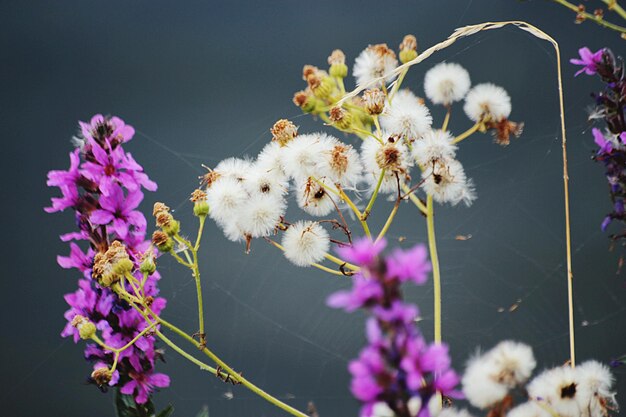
(410,265)
(362,251)
(589,60)
(605,145)
(111,129)
(120,210)
(397,364)
(142,384)
(364,291)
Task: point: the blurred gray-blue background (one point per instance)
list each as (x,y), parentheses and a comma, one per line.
(203,80)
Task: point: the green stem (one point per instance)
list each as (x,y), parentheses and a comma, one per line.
(186,355)
(615,7)
(341,262)
(446,120)
(414,199)
(389,221)
(368,209)
(397,84)
(468,132)
(432,245)
(233,375)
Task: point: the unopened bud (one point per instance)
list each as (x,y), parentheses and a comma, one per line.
(167,223)
(284,131)
(200,205)
(86,329)
(123,266)
(340,118)
(148,266)
(321,84)
(408,49)
(102,376)
(162,241)
(374,100)
(337,62)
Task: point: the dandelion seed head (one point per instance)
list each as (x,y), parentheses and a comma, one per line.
(446,83)
(305,243)
(487,100)
(406,116)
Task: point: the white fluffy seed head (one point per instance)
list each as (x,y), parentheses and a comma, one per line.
(433,146)
(558,387)
(226,196)
(235,168)
(487,100)
(594,388)
(406,116)
(313,198)
(341,164)
(371,155)
(479,386)
(513,361)
(446,181)
(305,153)
(261,181)
(305,243)
(260,214)
(270,160)
(529,409)
(373,62)
(446,83)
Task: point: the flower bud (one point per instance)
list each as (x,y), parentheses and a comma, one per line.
(166,222)
(123,266)
(408,49)
(305,101)
(86,329)
(200,204)
(147,266)
(321,84)
(102,376)
(284,131)
(162,241)
(340,118)
(337,62)
(374,100)
(159,207)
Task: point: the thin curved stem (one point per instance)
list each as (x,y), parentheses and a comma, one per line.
(368,209)
(339,261)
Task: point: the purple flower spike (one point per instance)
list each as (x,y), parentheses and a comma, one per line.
(363,251)
(410,265)
(120,211)
(589,60)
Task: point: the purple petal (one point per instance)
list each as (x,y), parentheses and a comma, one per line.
(101,217)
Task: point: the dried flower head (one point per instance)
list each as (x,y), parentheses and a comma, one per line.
(374,100)
(101,376)
(337,57)
(159,207)
(408,49)
(110,265)
(340,118)
(197,195)
(162,241)
(389,156)
(283,131)
(503,130)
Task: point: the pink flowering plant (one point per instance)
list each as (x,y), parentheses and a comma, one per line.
(397,150)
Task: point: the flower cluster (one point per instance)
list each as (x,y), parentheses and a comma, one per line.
(103,188)
(400,152)
(611,141)
(398,373)
(491,378)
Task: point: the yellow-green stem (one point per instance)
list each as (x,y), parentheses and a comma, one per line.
(446,120)
(434,259)
(341,262)
(414,199)
(389,221)
(600,21)
(368,209)
(615,7)
(468,132)
(397,84)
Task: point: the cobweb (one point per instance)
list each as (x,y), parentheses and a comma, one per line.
(503,270)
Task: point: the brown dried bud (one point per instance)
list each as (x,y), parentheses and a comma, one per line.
(283,131)
(77,320)
(159,238)
(308,70)
(158,207)
(381,49)
(337,57)
(209,178)
(599,13)
(374,100)
(164,219)
(503,130)
(340,118)
(409,43)
(108,266)
(101,376)
(197,195)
